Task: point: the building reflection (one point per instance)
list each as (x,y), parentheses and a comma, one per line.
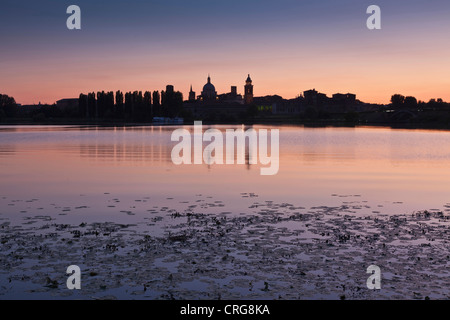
(140,146)
(7,150)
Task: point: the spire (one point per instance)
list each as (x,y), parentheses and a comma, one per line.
(191,88)
(248,78)
(209,78)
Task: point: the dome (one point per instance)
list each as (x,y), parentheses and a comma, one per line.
(209,91)
(209,87)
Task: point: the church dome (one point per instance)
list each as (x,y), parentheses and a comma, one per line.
(209,87)
(209,91)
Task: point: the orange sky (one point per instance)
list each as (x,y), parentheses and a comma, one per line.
(326,47)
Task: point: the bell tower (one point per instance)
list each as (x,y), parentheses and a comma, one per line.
(191,95)
(248,97)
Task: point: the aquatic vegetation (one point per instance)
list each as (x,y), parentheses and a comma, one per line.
(273,251)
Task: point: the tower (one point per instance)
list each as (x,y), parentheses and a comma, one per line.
(169,89)
(191,95)
(248,89)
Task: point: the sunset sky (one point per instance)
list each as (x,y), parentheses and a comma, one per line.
(287,46)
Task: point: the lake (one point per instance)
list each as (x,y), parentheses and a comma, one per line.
(57,180)
(400,170)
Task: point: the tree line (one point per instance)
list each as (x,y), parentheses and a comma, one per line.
(131,106)
(399,101)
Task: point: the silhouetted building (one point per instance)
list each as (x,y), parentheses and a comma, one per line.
(191,95)
(344,102)
(68,104)
(211,106)
(231,97)
(170,89)
(27,109)
(315,98)
(209,93)
(348,98)
(248,96)
(289,107)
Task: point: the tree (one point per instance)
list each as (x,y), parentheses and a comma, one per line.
(8,105)
(156,104)
(162,109)
(99,105)
(91,112)
(397,100)
(109,105)
(148,105)
(83,105)
(138,106)
(410,102)
(128,110)
(119,104)
(172,103)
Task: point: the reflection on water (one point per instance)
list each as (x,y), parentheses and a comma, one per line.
(383,165)
(111,201)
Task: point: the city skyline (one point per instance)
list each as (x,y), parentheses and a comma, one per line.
(288,47)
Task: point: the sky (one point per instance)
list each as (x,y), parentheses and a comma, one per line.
(287,46)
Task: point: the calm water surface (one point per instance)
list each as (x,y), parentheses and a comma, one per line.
(103,172)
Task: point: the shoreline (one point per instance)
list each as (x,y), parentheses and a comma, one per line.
(308,124)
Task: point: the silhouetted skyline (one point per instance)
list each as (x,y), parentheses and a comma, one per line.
(287,45)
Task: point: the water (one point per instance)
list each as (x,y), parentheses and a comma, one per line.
(111,201)
(392,171)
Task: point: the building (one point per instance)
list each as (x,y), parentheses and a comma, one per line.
(209,93)
(191,95)
(68,104)
(170,89)
(315,98)
(348,97)
(209,104)
(210,97)
(231,97)
(344,102)
(28,109)
(289,107)
(248,96)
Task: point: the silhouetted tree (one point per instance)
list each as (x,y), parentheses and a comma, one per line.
(91,105)
(172,103)
(163,102)
(128,112)
(105,104)
(397,100)
(99,105)
(410,102)
(119,105)
(8,106)
(131,106)
(83,105)
(148,105)
(109,105)
(156,104)
(138,106)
